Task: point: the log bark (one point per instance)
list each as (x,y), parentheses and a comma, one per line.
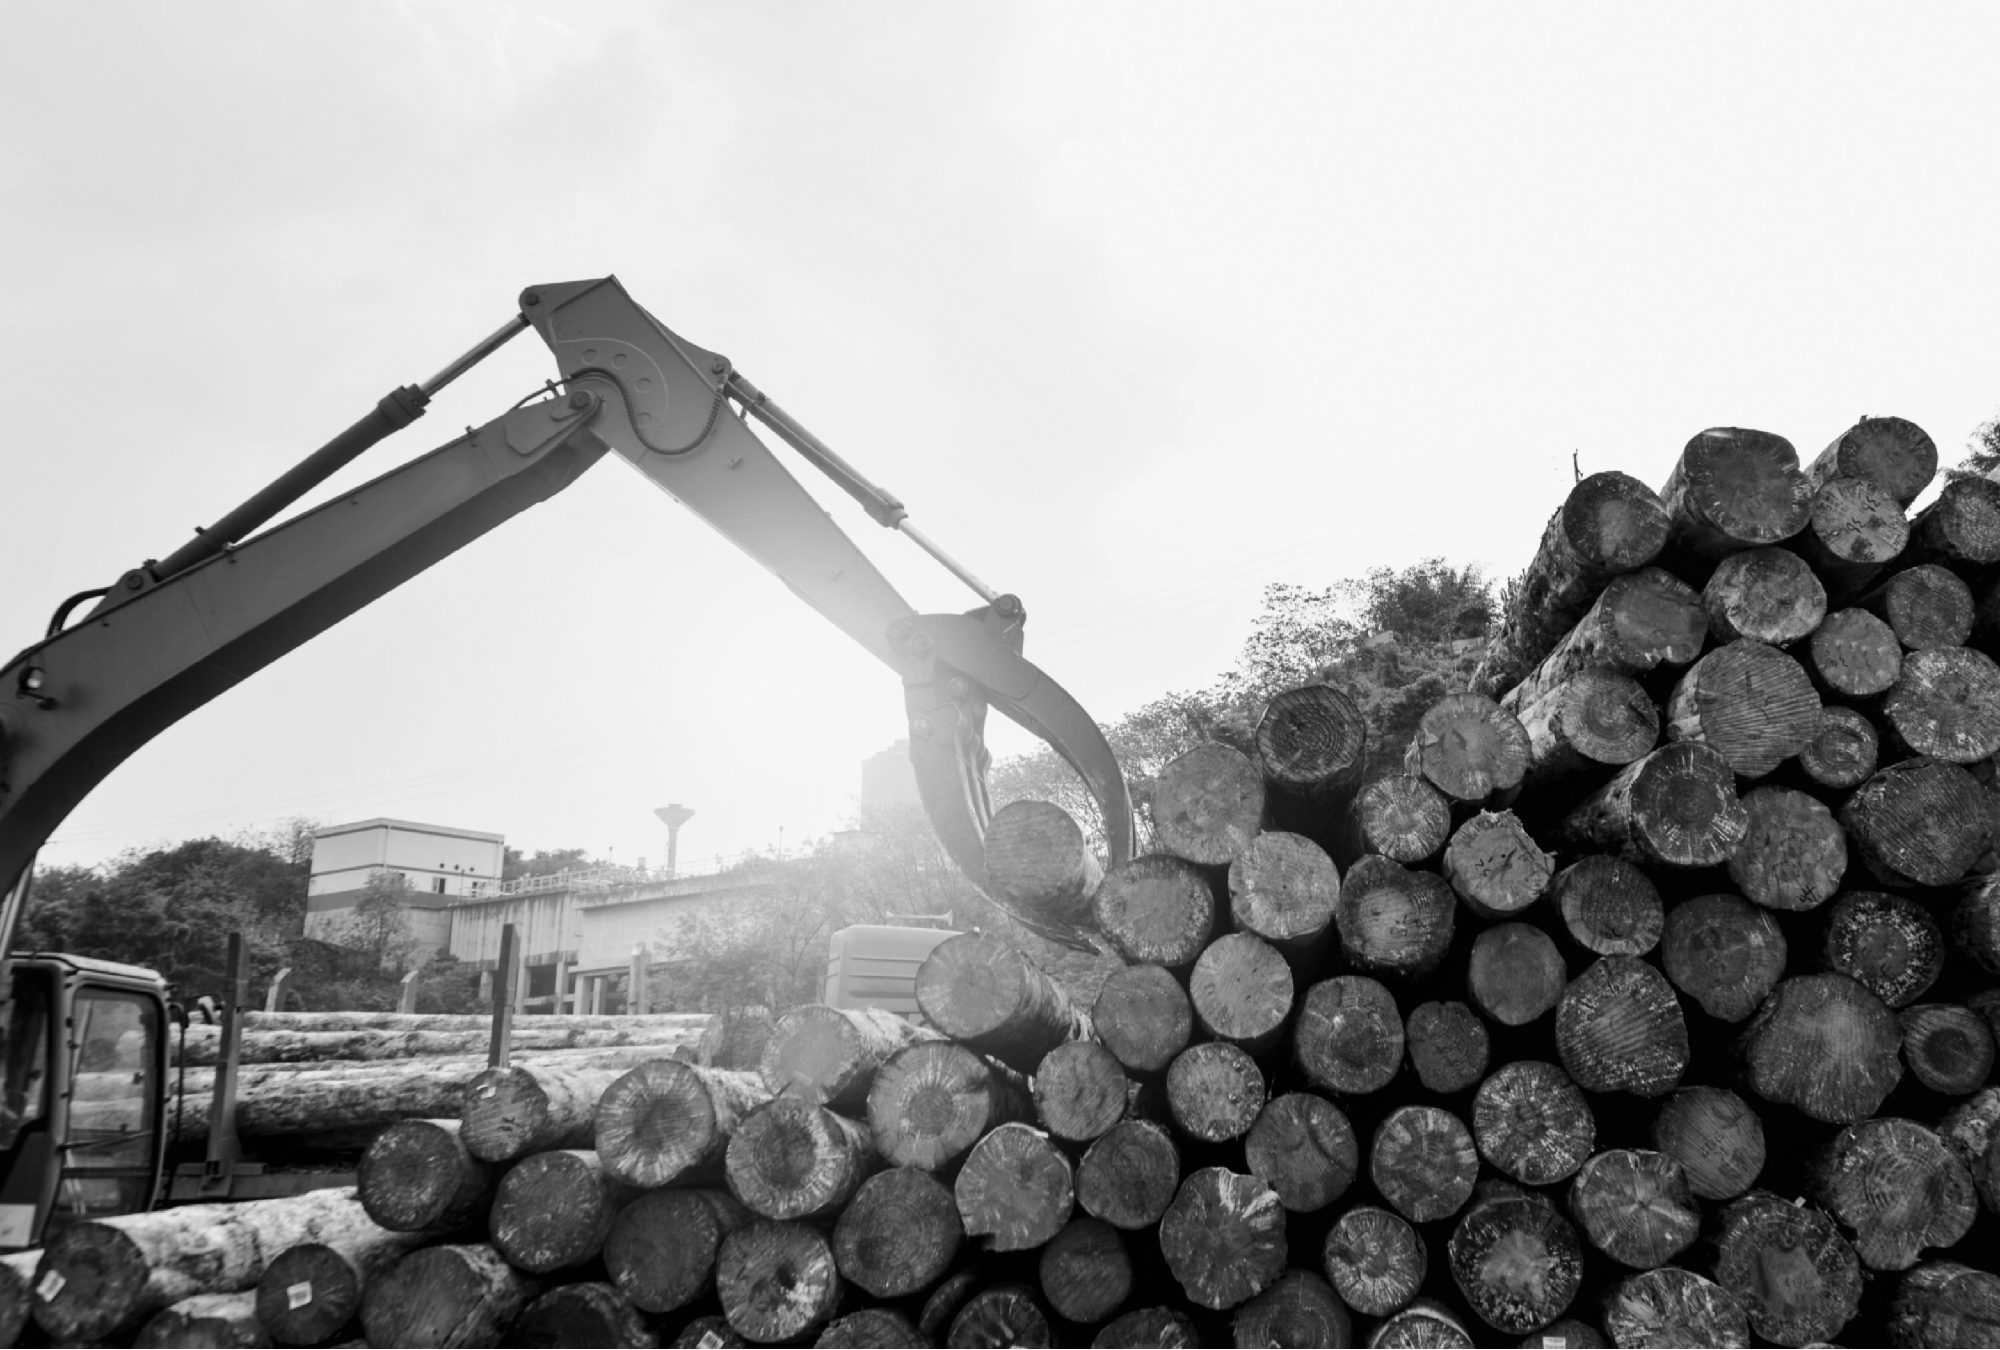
(1795,1276)
(1284,888)
(1844,754)
(1002,1316)
(1734,489)
(1595,718)
(1426,1322)
(1299,1308)
(1824,1044)
(1750,702)
(788,1160)
(1715,1137)
(1016,1189)
(662,1247)
(1375,1260)
(1161,1328)
(512,1112)
(1794,853)
(1960,529)
(1398,816)
(1671,1306)
(1208,804)
(588,1314)
(1143,1017)
(417,1175)
(1608,906)
(1898,1188)
(667,1120)
(1214,1090)
(1889,943)
(206,1320)
(1080,1091)
(1469,748)
(1394,920)
(1311,745)
(776,1280)
(1241,990)
(1515,974)
(1948,1048)
(1619,1029)
(1946,1303)
(1854,655)
(446,1296)
(1724,953)
(1677,807)
(1495,866)
(1304,1149)
(554,1210)
(1530,1121)
(292,1045)
(900,1234)
(1448,1046)
(1918,823)
(828,1056)
(871,1327)
(1925,606)
(984,992)
(1768,595)
(1085,1272)
(1038,860)
(933,1101)
(1635,1206)
(1889,451)
(1642,620)
(309,1292)
(1517,1261)
(1223,1237)
(1128,1176)
(1349,1035)
(1946,704)
(1156,909)
(1423,1162)
(1856,528)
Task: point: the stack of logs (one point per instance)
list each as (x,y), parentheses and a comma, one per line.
(1653,1003)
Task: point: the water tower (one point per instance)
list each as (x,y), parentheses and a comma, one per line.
(673,817)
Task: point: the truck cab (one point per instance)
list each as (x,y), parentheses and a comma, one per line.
(875,966)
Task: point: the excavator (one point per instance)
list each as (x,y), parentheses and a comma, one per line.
(83,1042)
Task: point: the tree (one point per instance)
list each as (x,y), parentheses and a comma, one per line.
(1982,457)
(380,925)
(545,863)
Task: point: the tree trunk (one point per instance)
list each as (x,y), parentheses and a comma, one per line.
(311,1291)
(1918,823)
(1677,807)
(776,1280)
(1751,702)
(287,1045)
(1128,1176)
(1143,1017)
(1595,718)
(1242,991)
(1531,1123)
(900,1234)
(1844,753)
(1724,953)
(1715,1137)
(1223,1237)
(1635,1206)
(1608,906)
(1085,1271)
(1946,704)
(1038,860)
(668,1120)
(828,1056)
(1768,595)
(1215,1091)
(1208,804)
(789,1160)
(1003,1315)
(933,1101)
(1857,528)
(1169,1328)
(1515,974)
(1304,1149)
(1401,817)
(1855,655)
(982,991)
(1283,888)
(1376,1261)
(1898,1188)
(1950,1049)
(1299,1308)
(1080,1091)
(1889,943)
(446,1296)
(1423,1162)
(1925,606)
(1824,1044)
(1393,920)
(1619,1029)
(590,1314)
(512,1112)
(1469,748)
(1643,619)
(1312,745)
(1157,909)
(1960,529)
(1795,1276)
(1890,451)
(1517,1262)
(206,1320)
(1794,853)
(662,1247)
(1349,1036)
(554,1210)
(1671,1306)
(1945,1303)
(1449,1047)
(417,1176)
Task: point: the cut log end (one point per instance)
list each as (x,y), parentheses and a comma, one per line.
(1208,804)
(900,1234)
(1530,1122)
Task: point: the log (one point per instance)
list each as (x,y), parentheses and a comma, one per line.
(1643,619)
(788,1160)
(900,1234)
(1715,1137)
(1794,853)
(1208,804)
(1946,1303)
(1530,1122)
(933,1101)
(1565,1333)
(1312,745)
(1304,1148)
(1143,1017)
(1677,807)
(1375,1260)
(1084,1272)
(1844,753)
(1038,860)
(1610,523)
(1448,1046)
(1889,451)
(1156,910)
(1469,748)
(1855,529)
(1946,704)
(400,1023)
(1634,1205)
(1223,1237)
(1824,1044)
(1854,655)
(1796,1278)
(871,1327)
(1594,718)
(1969,1126)
(776,1280)
(1619,1029)
(1423,1162)
(17,1274)
(1215,1090)
(205,1320)
(828,1056)
(1733,489)
(1299,1308)
(289,1045)
(1768,595)
(1393,920)
(667,1120)
(1925,606)
(1016,1189)
(1889,943)
(1426,1322)
(662,1247)
(984,992)
(1960,529)
(1241,990)
(1128,1176)
(1284,888)
(1348,1036)
(1724,953)
(1398,816)
(554,1210)
(1517,1262)
(417,1175)
(587,1314)
(1918,823)
(1002,1316)
(512,1112)
(1608,906)
(1948,1048)
(1671,1306)
(1749,701)
(1975,925)
(1080,1091)
(1495,866)
(1163,1328)
(1898,1188)
(735,1039)
(310,1291)
(708,1333)
(446,1296)
(1515,974)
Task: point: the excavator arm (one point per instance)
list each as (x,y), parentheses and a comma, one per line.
(171,635)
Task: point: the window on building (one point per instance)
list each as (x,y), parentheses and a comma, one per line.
(437,884)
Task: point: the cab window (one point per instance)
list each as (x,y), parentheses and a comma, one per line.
(108,1158)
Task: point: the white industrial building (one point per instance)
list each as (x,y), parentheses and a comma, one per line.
(442,864)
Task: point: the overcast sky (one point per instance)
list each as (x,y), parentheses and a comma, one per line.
(1138,307)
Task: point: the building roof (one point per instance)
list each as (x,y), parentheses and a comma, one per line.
(412,826)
